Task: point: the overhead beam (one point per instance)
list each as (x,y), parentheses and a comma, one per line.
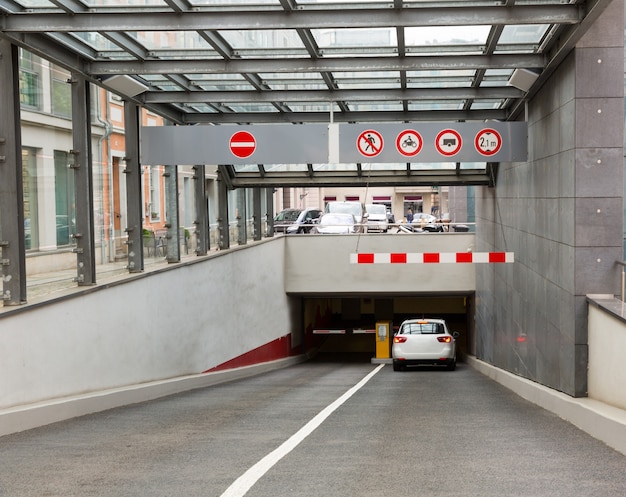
(344,117)
(304,65)
(319,180)
(149,20)
(330,96)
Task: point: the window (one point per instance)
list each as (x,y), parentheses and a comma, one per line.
(29,181)
(64,198)
(155,193)
(30,81)
(61,92)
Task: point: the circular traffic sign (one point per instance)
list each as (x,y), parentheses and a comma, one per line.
(370,143)
(409,143)
(242,144)
(488,142)
(448,142)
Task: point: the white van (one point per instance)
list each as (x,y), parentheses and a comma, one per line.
(348,207)
(377,218)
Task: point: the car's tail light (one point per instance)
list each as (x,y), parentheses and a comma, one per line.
(399,339)
(445,339)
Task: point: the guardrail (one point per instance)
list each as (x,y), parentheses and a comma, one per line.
(623,286)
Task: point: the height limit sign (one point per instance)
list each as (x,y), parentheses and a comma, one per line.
(488,142)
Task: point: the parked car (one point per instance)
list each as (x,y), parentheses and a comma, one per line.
(336,223)
(424,341)
(305,221)
(422,222)
(377,218)
(285,218)
(348,207)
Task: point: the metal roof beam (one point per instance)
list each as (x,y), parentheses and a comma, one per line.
(321,179)
(322,19)
(354,64)
(336,95)
(345,117)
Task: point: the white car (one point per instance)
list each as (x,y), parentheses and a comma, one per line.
(348,207)
(338,223)
(424,341)
(377,218)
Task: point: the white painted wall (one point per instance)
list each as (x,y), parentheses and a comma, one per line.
(607,368)
(179,321)
(320,264)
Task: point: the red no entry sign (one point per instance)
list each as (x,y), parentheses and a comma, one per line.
(242,144)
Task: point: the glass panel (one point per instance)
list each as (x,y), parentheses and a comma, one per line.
(153,40)
(61,92)
(277,168)
(487,104)
(436,105)
(263,38)
(129,3)
(355,37)
(440,79)
(29,181)
(64,198)
(97,41)
(530,33)
(438,36)
(30,80)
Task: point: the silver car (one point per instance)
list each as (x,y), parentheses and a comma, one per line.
(424,341)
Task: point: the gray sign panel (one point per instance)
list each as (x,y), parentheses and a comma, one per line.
(262,144)
(433,142)
(350,143)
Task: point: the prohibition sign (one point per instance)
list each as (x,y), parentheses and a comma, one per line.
(448,142)
(409,143)
(488,142)
(370,143)
(242,144)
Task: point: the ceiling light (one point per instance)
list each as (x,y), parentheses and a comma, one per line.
(522,79)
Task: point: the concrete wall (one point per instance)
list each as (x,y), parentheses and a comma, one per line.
(561,213)
(321,264)
(178,321)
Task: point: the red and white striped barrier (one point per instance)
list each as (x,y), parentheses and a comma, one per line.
(433,258)
(329,332)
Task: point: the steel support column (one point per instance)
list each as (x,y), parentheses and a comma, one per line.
(11,191)
(202,210)
(171,214)
(269,208)
(242,215)
(222,211)
(81,162)
(134,207)
(256,215)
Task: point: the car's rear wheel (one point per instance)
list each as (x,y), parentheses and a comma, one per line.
(451,365)
(397,366)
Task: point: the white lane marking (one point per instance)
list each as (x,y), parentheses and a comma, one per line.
(241,485)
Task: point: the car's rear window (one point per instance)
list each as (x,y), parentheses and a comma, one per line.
(422,328)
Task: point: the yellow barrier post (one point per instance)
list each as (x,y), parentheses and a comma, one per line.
(383,340)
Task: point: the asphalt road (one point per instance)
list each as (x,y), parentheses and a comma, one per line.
(318,429)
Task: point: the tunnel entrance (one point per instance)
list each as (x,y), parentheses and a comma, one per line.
(343,328)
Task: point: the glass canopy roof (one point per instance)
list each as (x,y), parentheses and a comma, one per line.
(218,62)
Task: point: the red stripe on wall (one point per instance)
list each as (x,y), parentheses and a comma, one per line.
(464,257)
(398,258)
(365,258)
(276,349)
(497,257)
(431,258)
